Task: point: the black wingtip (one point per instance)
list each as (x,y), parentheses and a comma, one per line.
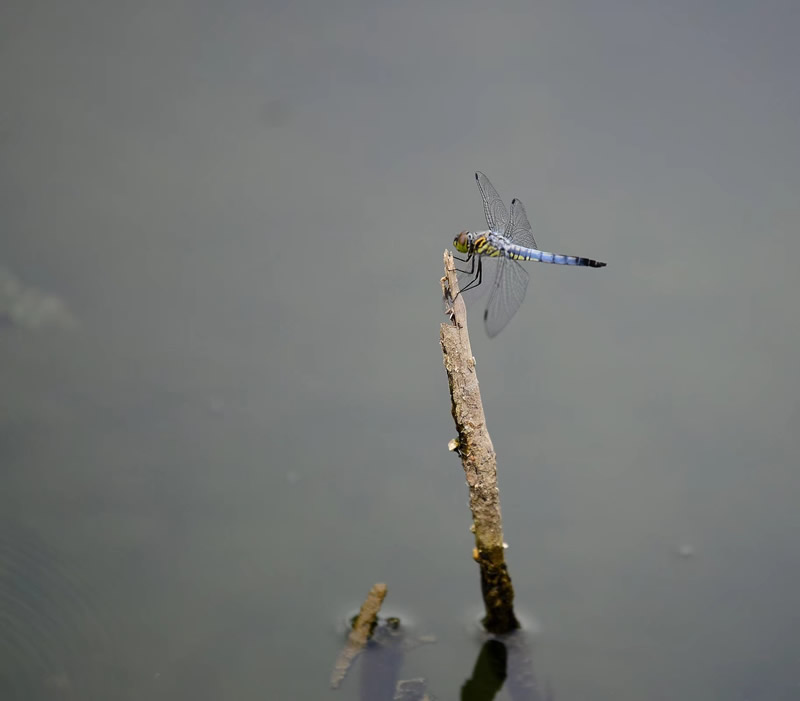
(477,174)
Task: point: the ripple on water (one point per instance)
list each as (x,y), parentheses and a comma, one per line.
(52,643)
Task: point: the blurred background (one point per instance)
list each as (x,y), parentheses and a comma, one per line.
(223,411)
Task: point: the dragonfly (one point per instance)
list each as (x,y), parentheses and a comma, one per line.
(493,257)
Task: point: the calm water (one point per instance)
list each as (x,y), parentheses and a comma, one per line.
(223,412)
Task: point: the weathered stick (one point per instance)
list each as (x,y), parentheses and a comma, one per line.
(478,460)
(362,630)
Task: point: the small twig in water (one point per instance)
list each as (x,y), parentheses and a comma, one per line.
(362,630)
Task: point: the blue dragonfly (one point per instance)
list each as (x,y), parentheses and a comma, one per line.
(493,257)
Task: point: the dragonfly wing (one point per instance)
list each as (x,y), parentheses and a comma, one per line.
(493,207)
(508,291)
(519,229)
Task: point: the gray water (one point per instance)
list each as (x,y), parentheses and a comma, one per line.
(223,412)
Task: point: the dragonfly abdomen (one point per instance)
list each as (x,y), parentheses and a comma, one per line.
(521,253)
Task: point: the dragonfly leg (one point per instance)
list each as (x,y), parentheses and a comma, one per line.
(469,259)
(476,280)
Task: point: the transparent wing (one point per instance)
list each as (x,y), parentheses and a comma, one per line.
(493,207)
(519,230)
(508,291)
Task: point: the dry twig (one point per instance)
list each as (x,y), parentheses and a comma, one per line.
(478,460)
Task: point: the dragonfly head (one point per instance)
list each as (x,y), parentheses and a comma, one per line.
(463,242)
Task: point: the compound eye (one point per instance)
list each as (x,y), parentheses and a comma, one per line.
(463,239)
